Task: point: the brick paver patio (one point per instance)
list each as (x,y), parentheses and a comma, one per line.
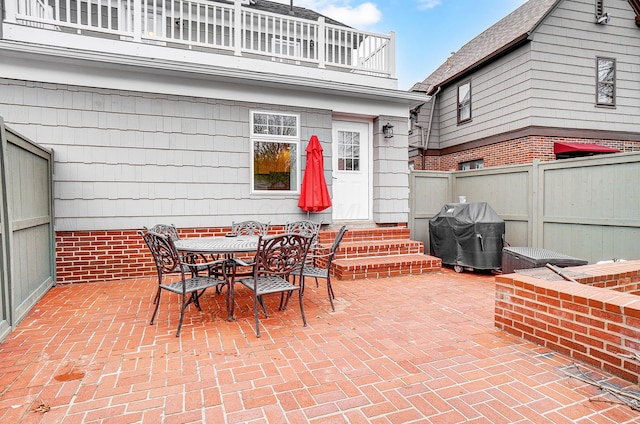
(397,350)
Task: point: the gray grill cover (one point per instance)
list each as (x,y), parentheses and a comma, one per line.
(467,234)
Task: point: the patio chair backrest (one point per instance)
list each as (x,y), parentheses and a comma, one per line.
(336,243)
(168,230)
(164,253)
(280,254)
(304,227)
(250,228)
(148,239)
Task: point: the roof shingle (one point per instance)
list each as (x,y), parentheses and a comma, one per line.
(510,30)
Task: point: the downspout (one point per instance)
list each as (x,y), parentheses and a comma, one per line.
(434,97)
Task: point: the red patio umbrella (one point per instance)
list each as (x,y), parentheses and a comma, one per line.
(314,195)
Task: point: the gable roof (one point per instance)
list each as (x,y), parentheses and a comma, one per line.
(506,34)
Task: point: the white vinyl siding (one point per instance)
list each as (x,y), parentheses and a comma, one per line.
(499,102)
(563,65)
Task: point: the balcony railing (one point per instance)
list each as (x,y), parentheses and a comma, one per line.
(219,27)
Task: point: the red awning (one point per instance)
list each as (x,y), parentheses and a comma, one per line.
(581,148)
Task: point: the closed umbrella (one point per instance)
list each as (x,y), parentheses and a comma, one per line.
(314,195)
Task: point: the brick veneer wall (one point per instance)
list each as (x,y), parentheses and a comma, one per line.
(596,325)
(517,151)
(89,256)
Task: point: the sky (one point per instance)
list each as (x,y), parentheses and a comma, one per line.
(427,31)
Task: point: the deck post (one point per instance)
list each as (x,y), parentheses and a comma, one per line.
(322,48)
(137,20)
(391,55)
(237,28)
(11,8)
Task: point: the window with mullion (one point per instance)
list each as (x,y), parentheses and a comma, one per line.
(274,152)
(606,81)
(464,102)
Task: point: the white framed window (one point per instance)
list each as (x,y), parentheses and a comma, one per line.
(275,140)
(606,81)
(464,102)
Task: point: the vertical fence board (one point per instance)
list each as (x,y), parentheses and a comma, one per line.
(587,207)
(5,306)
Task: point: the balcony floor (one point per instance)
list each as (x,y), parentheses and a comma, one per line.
(419,348)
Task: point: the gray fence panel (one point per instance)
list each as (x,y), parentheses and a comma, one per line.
(508,191)
(5,306)
(588,207)
(429,190)
(30,246)
(591,208)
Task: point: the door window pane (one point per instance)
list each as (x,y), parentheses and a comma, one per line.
(348,151)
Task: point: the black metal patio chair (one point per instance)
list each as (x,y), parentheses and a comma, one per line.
(168,261)
(321,264)
(198,262)
(277,257)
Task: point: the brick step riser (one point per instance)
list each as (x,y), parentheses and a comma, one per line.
(364,235)
(358,250)
(342,271)
(365,251)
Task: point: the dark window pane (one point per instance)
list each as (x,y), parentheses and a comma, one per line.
(274,166)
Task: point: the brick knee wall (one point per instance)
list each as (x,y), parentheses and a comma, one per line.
(90,256)
(596,325)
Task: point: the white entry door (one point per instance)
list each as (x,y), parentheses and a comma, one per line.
(351,179)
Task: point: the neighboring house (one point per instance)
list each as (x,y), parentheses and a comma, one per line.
(197,113)
(553,77)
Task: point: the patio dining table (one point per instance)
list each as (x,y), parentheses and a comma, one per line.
(221,245)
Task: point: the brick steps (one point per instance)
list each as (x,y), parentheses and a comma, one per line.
(378,253)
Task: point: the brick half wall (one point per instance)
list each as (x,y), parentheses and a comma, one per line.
(596,325)
(90,256)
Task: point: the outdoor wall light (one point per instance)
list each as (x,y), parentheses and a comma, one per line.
(387,130)
(602,19)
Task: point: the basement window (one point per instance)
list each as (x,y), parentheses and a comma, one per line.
(471,164)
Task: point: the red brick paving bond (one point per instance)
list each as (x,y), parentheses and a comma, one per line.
(419,348)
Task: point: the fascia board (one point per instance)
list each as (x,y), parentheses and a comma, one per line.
(200,71)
